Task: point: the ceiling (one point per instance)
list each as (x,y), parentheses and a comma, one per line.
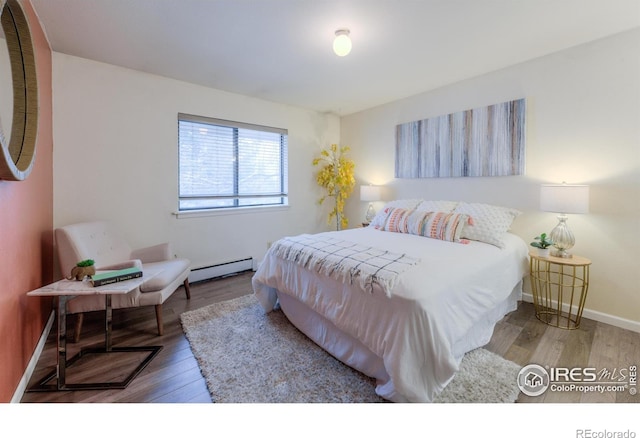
(281,50)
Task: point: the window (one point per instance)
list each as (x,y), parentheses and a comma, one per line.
(226,164)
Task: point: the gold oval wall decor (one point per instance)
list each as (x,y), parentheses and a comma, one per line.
(19,150)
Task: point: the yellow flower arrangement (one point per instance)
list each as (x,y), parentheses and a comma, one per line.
(336,176)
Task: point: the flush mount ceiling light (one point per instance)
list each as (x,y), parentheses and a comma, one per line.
(342,43)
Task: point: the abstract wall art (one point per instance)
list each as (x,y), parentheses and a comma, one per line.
(486,141)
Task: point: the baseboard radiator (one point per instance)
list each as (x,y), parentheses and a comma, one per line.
(220,270)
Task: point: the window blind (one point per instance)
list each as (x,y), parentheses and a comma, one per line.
(227,164)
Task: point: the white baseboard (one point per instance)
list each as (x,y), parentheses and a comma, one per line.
(22,386)
(219,270)
(600,317)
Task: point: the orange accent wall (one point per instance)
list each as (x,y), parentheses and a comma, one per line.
(26,236)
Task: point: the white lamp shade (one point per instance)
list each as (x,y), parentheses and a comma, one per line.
(370,193)
(564,198)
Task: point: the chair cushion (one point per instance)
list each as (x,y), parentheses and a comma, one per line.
(162,274)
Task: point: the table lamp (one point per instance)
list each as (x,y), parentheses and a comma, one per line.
(563,199)
(370,194)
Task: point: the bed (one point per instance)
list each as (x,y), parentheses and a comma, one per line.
(424,299)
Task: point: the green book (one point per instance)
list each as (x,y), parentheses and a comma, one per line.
(115,276)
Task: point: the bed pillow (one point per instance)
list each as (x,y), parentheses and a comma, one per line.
(396,219)
(437,206)
(381,217)
(489,222)
(439,225)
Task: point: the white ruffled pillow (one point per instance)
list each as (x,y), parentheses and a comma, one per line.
(436,206)
(489,223)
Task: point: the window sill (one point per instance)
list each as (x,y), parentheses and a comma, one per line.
(228,211)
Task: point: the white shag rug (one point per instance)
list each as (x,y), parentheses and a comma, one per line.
(249,356)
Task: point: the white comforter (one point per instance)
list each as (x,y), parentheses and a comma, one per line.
(441,308)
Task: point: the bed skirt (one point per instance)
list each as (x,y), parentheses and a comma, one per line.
(353,353)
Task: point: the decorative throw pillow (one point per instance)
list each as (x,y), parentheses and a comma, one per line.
(441,225)
(381,217)
(489,223)
(436,225)
(397,220)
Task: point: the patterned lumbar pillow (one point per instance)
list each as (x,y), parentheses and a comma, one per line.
(441,225)
(381,217)
(433,224)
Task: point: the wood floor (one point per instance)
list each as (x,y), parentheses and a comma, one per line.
(174,377)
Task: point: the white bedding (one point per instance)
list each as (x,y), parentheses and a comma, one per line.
(441,308)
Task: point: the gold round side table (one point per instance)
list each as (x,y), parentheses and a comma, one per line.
(559,287)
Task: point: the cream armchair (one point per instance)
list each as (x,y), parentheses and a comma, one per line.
(101,242)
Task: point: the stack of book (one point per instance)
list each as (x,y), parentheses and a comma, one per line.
(109,277)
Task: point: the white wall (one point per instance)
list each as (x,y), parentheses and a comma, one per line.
(583,126)
(115,158)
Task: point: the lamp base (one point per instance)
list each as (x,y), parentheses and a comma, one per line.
(561,253)
(562,238)
(371,213)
